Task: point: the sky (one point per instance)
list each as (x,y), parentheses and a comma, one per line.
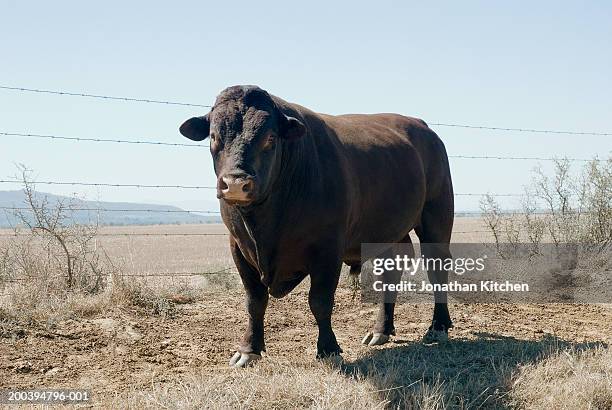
(537,65)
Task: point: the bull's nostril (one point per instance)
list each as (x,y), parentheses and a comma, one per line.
(223,185)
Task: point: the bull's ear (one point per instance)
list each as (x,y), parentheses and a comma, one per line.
(293,128)
(196,128)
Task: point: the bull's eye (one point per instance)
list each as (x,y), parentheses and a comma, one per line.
(269,142)
(214,140)
(215,143)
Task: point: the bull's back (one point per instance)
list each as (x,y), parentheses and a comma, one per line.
(394,165)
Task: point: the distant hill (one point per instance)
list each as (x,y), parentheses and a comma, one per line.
(109,213)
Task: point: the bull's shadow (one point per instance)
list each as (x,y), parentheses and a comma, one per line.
(461,373)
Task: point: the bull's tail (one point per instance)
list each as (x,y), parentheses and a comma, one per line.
(354,278)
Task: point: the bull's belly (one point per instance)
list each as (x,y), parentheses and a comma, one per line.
(282,285)
(396,232)
(352,254)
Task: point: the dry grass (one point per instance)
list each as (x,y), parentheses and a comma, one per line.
(43,302)
(156,297)
(168,254)
(29,304)
(566,380)
(272,385)
(276,385)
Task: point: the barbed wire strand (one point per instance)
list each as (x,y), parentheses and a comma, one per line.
(530,130)
(496,157)
(169,234)
(194,211)
(105,97)
(165,102)
(86,139)
(143,275)
(172,144)
(105,184)
(190,211)
(133,234)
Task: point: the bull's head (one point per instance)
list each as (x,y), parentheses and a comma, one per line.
(247,131)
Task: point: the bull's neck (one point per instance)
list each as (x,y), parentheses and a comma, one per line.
(283,206)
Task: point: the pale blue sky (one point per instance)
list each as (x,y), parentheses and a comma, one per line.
(520,64)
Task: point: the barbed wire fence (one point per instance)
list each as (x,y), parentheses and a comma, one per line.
(226,270)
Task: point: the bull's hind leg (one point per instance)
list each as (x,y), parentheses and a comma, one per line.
(384,326)
(324,277)
(434,232)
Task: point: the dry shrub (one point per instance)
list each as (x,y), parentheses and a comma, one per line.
(34,288)
(53,266)
(40,298)
(569,379)
(562,209)
(70,246)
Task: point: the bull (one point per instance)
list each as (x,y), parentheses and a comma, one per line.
(300,192)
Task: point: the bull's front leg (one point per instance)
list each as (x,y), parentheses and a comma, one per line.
(252,343)
(323,284)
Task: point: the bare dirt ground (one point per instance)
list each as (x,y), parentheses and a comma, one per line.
(125,350)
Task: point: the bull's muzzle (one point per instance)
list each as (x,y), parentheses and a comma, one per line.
(236,189)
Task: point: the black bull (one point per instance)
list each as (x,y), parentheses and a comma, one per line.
(301,191)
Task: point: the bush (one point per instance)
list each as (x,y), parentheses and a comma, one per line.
(50,245)
(562,209)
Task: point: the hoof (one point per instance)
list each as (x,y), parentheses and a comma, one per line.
(243,359)
(375,339)
(435,336)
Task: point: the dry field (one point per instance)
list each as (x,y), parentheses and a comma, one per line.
(169,347)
